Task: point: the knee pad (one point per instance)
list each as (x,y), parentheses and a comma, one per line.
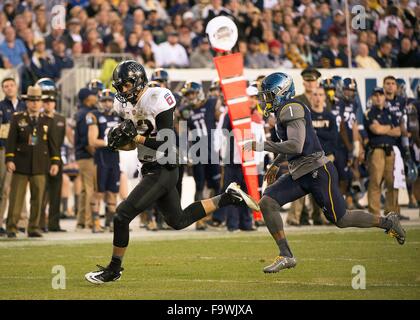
(123,212)
(119,221)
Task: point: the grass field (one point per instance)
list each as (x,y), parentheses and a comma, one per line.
(225,267)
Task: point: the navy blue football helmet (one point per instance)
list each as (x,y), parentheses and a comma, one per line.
(276,88)
(349,84)
(193,87)
(96,86)
(48,88)
(328,84)
(349,89)
(160,75)
(106,94)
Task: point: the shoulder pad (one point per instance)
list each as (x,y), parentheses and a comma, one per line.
(292,111)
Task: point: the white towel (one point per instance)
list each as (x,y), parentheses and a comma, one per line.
(399,174)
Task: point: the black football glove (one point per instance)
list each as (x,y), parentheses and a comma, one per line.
(122,134)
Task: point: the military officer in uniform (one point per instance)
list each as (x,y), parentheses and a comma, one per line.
(53,184)
(310,78)
(31,152)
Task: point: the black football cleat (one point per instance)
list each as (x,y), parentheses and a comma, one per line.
(103,275)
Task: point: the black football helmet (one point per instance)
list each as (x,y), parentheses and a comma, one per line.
(48,87)
(132,72)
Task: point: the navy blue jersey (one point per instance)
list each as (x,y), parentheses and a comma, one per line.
(284,113)
(325,125)
(397,106)
(105,157)
(81,133)
(336,112)
(6,111)
(413,119)
(203,118)
(348,111)
(383,117)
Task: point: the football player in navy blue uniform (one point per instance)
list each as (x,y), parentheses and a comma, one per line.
(310,171)
(203,115)
(107,161)
(397,106)
(148,114)
(415,124)
(412,107)
(350,148)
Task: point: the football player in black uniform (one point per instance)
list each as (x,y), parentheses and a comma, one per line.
(310,171)
(147,113)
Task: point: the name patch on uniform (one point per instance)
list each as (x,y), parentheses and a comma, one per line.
(60,124)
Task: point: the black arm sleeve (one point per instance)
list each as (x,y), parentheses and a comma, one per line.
(164,120)
(296,132)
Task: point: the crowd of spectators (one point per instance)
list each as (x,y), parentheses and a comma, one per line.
(171,33)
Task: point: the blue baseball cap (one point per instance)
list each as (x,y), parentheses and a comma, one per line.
(84,93)
(378,90)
